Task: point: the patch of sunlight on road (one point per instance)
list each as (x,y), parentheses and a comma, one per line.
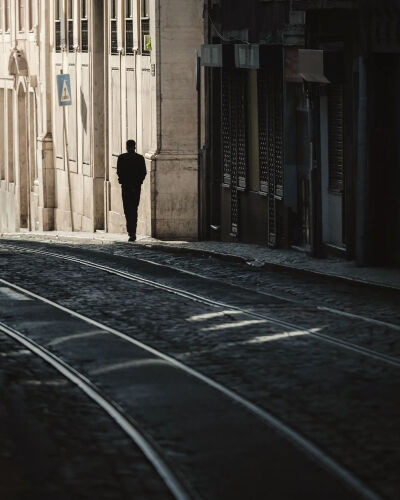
(83,335)
(137,363)
(12,294)
(268,338)
(280,336)
(236,324)
(205,317)
(50,383)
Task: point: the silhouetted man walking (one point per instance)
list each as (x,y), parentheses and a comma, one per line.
(131,170)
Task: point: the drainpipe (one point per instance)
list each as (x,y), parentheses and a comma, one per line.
(106,117)
(362,168)
(28,156)
(153,189)
(199,157)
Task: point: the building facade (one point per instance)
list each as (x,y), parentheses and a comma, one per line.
(132,67)
(294,112)
(300,120)
(19,117)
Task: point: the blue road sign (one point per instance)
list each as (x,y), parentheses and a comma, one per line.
(64,90)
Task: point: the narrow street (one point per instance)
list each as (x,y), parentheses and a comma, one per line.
(199,249)
(133,373)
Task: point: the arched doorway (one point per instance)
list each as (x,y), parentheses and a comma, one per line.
(23,160)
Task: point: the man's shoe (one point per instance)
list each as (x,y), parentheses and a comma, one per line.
(132,238)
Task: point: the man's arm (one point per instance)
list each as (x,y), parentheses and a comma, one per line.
(119,169)
(143,170)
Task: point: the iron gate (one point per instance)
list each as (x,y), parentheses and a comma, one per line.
(234,138)
(270,123)
(336,137)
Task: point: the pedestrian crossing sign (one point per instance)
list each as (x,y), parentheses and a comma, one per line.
(64,90)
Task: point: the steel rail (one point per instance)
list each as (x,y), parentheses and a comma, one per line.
(86,386)
(284,430)
(331,310)
(343,344)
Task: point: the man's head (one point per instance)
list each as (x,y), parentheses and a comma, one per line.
(130,145)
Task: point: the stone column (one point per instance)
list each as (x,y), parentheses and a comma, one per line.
(176,35)
(46,178)
(98,119)
(45,157)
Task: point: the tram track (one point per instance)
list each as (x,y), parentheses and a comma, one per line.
(111,409)
(339,343)
(331,310)
(170,479)
(132,266)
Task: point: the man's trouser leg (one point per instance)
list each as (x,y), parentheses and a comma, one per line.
(130,199)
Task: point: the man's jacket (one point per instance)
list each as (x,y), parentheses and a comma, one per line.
(131,169)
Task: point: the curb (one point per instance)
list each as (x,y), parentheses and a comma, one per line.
(274,266)
(56,238)
(210,253)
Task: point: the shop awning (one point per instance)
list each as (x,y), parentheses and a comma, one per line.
(211,55)
(217,55)
(304,65)
(247,56)
(241,56)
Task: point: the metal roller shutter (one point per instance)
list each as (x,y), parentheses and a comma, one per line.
(335,137)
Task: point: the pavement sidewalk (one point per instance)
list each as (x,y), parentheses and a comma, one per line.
(254,255)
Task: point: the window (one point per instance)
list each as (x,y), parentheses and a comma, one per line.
(7,15)
(84,27)
(70,26)
(30,15)
(145,27)
(128,9)
(2,133)
(145,8)
(21,15)
(10,113)
(57,22)
(32,135)
(129,38)
(113,28)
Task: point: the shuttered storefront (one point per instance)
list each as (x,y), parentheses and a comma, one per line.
(336,137)
(270,119)
(234,138)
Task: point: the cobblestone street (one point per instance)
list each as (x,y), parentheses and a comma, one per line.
(55,443)
(322,357)
(199,250)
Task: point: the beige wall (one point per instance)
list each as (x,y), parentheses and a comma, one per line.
(19,96)
(85,128)
(178,33)
(158,97)
(150,98)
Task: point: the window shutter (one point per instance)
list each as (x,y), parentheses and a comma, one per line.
(335,137)
(226,126)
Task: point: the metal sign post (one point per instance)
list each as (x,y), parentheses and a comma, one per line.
(64,99)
